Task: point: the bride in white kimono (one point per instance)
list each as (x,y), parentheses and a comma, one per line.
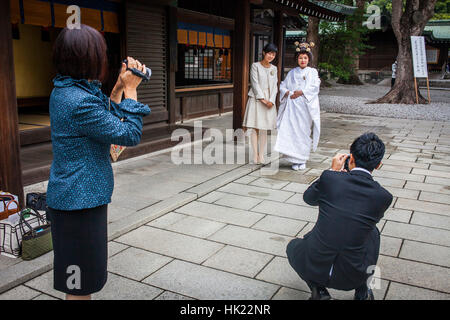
(299,111)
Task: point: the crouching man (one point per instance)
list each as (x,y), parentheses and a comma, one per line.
(345,241)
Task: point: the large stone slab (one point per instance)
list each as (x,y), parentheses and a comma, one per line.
(23,271)
(196,227)
(431,220)
(130,200)
(262,241)
(206,283)
(170,244)
(394,168)
(136,264)
(114,248)
(220,213)
(428,187)
(292,176)
(399,215)
(437,180)
(256,192)
(211,197)
(269,183)
(240,261)
(390,246)
(291,294)
(166,220)
(155,188)
(435,197)
(296,187)
(44,283)
(236,201)
(430,207)
(280,272)
(399,175)
(415,273)
(436,167)
(403,193)
(19,293)
(417,233)
(402,163)
(288,210)
(221,180)
(167,295)
(120,288)
(284,226)
(432,173)
(424,252)
(44,297)
(297,199)
(246,179)
(389,182)
(141,217)
(399,291)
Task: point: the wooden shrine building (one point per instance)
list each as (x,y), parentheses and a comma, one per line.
(199,51)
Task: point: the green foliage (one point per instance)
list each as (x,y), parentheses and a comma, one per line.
(442,8)
(340,43)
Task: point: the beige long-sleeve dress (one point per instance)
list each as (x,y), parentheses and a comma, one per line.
(264,82)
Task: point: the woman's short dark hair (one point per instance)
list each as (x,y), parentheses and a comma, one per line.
(270,47)
(368,151)
(308,53)
(81,53)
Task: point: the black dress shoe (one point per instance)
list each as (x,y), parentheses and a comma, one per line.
(319,293)
(369,296)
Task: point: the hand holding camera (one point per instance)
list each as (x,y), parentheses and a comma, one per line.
(339,161)
(130,78)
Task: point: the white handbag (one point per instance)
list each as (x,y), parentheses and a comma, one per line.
(11,232)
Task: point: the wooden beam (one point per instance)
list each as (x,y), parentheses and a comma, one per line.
(172,61)
(10,165)
(278,39)
(278,35)
(241,61)
(204,19)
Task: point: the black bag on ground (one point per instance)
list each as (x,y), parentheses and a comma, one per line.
(37,201)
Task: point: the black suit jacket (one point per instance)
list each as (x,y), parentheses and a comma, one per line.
(345,235)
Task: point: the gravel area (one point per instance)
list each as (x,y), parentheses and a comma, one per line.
(353,99)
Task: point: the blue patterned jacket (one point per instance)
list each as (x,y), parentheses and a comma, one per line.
(83,130)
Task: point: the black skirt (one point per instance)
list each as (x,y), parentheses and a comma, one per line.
(80,245)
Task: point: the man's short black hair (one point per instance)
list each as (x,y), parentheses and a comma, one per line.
(368,151)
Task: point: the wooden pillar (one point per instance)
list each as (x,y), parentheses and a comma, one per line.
(241,65)
(172,61)
(278,39)
(10,166)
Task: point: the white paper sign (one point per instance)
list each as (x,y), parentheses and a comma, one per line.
(419,57)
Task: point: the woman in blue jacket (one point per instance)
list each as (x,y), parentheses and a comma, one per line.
(84,124)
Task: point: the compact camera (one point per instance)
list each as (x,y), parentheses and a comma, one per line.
(346,164)
(145,76)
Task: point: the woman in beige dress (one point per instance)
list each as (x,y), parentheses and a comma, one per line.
(261,112)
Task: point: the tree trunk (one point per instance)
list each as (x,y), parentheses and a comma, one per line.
(354,78)
(360,4)
(406,23)
(313,36)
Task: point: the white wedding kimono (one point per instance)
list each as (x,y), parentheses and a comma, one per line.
(296,116)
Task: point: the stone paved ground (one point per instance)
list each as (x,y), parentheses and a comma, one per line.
(228,240)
